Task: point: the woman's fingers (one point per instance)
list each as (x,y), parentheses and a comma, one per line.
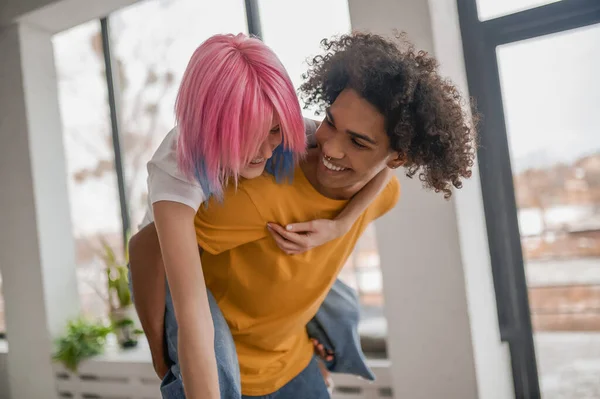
(286,246)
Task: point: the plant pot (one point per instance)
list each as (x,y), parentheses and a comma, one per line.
(126,326)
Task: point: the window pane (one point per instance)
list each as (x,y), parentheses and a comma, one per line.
(488,9)
(292,39)
(551,94)
(92,183)
(152,42)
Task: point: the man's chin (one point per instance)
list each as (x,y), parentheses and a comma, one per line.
(330,182)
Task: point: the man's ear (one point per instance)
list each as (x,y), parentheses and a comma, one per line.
(398,160)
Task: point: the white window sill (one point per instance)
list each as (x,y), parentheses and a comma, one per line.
(141,353)
(129,371)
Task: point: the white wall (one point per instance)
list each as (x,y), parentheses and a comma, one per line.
(11,9)
(443,329)
(36,252)
(57,15)
(492,357)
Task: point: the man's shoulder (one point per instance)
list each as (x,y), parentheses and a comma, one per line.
(386,200)
(392,190)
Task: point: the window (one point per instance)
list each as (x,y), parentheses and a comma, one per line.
(151,44)
(488,9)
(552,129)
(92,182)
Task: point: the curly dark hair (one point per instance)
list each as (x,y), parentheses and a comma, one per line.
(426,118)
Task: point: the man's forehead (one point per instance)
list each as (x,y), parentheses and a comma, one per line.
(356,114)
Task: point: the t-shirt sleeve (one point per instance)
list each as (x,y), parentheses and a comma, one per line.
(166,182)
(234,221)
(385,201)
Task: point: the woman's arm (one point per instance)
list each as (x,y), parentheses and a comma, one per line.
(300,237)
(177,236)
(361,200)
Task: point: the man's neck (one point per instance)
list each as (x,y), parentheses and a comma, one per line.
(309,167)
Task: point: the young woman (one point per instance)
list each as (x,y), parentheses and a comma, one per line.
(237,114)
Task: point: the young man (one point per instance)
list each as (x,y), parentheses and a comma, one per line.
(386,107)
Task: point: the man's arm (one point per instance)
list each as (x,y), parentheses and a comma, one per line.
(361,200)
(148,282)
(177,236)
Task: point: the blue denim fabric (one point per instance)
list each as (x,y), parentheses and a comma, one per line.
(336,327)
(309,384)
(227,362)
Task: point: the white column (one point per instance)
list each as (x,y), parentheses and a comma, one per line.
(443,336)
(492,357)
(36,243)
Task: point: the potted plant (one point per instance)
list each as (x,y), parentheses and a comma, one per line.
(122,313)
(82,340)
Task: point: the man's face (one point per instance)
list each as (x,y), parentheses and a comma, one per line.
(353,142)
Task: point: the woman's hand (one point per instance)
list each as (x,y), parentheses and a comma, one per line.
(297,238)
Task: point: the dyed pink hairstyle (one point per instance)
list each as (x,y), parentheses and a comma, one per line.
(232,87)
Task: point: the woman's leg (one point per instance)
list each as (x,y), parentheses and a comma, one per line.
(335,327)
(227,362)
(308,384)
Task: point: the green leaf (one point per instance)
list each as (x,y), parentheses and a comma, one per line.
(83,339)
(123,323)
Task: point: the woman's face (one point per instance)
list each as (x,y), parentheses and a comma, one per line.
(256,166)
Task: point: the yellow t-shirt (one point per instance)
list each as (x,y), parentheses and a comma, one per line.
(266,296)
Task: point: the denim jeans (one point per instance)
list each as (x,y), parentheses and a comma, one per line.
(309,384)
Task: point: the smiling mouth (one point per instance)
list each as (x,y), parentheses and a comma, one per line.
(330,166)
(257,161)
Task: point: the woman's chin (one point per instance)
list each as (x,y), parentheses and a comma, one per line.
(251,171)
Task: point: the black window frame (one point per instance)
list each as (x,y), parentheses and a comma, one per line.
(480,40)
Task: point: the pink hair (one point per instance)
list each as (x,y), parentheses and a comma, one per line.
(231,88)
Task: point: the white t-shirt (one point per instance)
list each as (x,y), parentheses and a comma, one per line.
(167,183)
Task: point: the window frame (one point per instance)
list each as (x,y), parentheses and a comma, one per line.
(480,39)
